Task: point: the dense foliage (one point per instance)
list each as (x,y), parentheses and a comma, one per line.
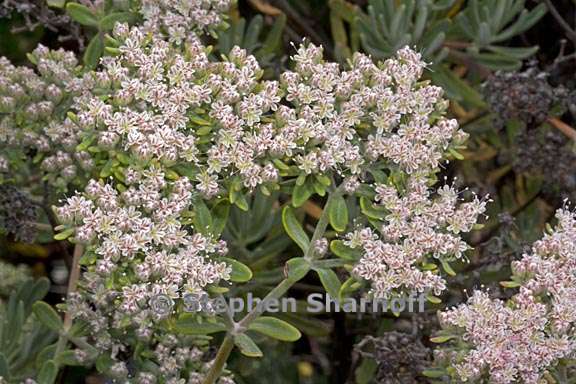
(162,159)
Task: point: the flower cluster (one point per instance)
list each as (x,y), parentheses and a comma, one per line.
(18,213)
(511,342)
(551,269)
(182,19)
(137,249)
(521,340)
(218,115)
(416,226)
(526,96)
(33,123)
(401,357)
(548,153)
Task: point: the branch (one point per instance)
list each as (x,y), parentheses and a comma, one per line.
(570,33)
(279,291)
(72,285)
(562,126)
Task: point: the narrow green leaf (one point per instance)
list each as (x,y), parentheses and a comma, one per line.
(47,316)
(330,282)
(350,285)
(82,14)
(64,235)
(202,218)
(219,218)
(338,213)
(109,21)
(441,339)
(56,3)
(510,284)
(275,328)
(247,346)
(447,268)
(93,52)
(274,37)
(189,326)
(301,194)
(294,229)
(4,370)
(434,373)
(455,87)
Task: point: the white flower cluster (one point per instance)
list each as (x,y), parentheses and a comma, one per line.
(526,337)
(416,225)
(182,19)
(141,229)
(33,107)
(551,269)
(138,249)
(510,342)
(179,106)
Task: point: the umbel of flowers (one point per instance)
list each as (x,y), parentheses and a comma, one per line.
(180,134)
(524,339)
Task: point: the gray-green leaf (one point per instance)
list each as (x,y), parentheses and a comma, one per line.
(275,328)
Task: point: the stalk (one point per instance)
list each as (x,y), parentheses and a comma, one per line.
(72,285)
(276,293)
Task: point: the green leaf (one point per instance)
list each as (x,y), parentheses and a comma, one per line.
(338,213)
(47,316)
(202,218)
(64,234)
(240,272)
(189,326)
(306,325)
(297,267)
(435,373)
(82,14)
(45,354)
(68,358)
(93,52)
(109,21)
(350,285)
(455,87)
(219,218)
(275,328)
(344,252)
(48,373)
(441,339)
(241,202)
(56,3)
(447,268)
(4,370)
(247,346)
(330,282)
(274,37)
(519,53)
(457,155)
(366,371)
(294,229)
(510,284)
(301,194)
(103,363)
